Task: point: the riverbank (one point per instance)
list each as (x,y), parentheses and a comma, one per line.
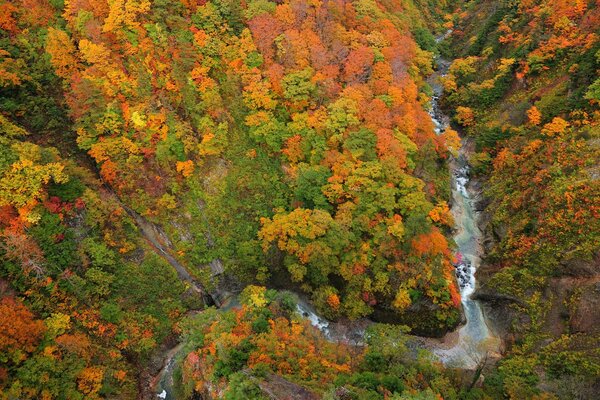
(474,341)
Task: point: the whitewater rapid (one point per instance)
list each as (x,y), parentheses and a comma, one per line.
(475,339)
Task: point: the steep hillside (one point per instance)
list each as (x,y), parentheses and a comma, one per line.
(525,91)
(84,300)
(226,124)
(159,158)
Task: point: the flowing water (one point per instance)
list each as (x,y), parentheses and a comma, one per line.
(165,380)
(307,312)
(475,339)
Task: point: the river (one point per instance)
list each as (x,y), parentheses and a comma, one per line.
(474,341)
(164,383)
(471,344)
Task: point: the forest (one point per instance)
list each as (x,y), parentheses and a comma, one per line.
(300,199)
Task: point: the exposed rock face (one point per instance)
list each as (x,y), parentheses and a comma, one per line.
(278,388)
(582,268)
(500,313)
(572,297)
(420,317)
(585,317)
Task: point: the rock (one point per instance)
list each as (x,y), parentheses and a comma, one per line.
(581,268)
(276,387)
(499,231)
(500,314)
(420,317)
(216,267)
(574,302)
(585,317)
(493,297)
(343,393)
(480,381)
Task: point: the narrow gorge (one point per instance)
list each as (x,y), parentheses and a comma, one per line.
(299,199)
(474,342)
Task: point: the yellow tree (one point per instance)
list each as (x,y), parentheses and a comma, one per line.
(62,52)
(22,183)
(534,116)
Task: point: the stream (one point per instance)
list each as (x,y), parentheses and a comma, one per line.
(474,341)
(164,384)
(470,345)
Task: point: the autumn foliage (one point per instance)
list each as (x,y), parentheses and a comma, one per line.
(264,335)
(289,141)
(324,98)
(20,331)
(528,71)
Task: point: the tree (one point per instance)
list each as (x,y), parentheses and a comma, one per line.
(8,22)
(89,381)
(186,168)
(22,185)
(309,184)
(389,341)
(359,62)
(265,28)
(465,116)
(556,127)
(294,231)
(254,296)
(20,331)
(432,243)
(94,53)
(298,86)
(62,52)
(24,250)
(123,13)
(593,92)
(534,116)
(452,141)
